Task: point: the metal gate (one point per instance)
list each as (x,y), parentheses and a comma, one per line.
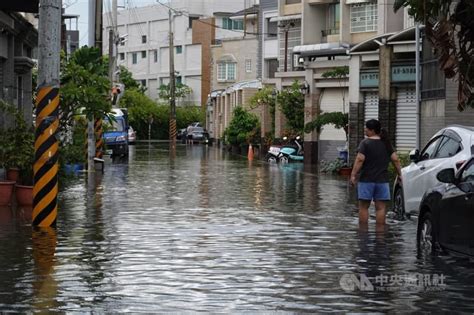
(371,102)
(406,119)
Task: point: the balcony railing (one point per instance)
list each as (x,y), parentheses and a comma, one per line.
(332,31)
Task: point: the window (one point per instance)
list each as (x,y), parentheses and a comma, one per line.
(143,39)
(447,148)
(238,25)
(179,80)
(272,29)
(229,24)
(179,49)
(364,17)
(226,71)
(143,53)
(430,149)
(122,56)
(155,58)
(333,19)
(143,82)
(226,23)
(134,58)
(248,65)
(191,19)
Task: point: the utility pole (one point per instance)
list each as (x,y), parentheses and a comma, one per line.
(172,127)
(45,189)
(113,43)
(90,122)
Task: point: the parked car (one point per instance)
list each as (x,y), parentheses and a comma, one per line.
(447,213)
(448,148)
(181,134)
(199,134)
(132,135)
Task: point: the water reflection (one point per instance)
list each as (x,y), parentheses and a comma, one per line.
(206,231)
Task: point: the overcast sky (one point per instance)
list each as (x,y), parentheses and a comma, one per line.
(80,7)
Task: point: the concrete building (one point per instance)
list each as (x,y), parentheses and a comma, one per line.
(268,42)
(315,36)
(145,52)
(234,68)
(18,41)
(382,86)
(439,98)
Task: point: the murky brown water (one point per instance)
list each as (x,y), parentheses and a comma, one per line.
(209,232)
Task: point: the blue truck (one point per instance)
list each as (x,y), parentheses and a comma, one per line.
(116,133)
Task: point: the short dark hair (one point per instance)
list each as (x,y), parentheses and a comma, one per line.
(373,124)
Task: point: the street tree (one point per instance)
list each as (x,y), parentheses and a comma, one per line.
(181,91)
(291,102)
(449,26)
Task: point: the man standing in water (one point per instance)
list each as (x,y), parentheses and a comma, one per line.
(374,154)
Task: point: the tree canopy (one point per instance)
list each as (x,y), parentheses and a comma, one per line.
(449,25)
(291,102)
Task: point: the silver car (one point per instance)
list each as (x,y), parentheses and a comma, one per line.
(448,148)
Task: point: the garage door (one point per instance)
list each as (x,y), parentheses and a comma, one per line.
(371,102)
(406,119)
(331,101)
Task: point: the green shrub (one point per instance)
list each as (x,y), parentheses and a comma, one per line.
(141,109)
(244,128)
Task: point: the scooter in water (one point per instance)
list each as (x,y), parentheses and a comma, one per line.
(274,151)
(289,153)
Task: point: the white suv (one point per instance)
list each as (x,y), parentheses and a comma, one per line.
(448,148)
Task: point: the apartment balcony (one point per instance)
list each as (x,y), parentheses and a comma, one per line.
(316,2)
(330,35)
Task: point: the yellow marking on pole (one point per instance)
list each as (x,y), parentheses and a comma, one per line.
(47,111)
(44,180)
(45,189)
(45,157)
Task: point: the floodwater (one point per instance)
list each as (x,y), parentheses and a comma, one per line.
(210,232)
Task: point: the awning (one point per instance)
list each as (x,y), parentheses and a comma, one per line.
(285,18)
(216,93)
(325,49)
(256,84)
(370,44)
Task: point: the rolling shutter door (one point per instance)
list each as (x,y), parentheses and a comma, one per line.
(331,101)
(371,102)
(406,119)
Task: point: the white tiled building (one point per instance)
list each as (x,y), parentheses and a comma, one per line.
(145,52)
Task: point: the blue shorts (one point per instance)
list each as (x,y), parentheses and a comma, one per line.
(373,191)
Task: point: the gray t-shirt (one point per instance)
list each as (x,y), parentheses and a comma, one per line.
(377,158)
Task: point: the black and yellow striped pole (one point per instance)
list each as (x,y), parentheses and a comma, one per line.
(45,168)
(45,190)
(99,142)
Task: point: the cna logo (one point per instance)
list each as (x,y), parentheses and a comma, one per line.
(350,282)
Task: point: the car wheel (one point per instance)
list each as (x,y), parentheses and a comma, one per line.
(270,158)
(398,203)
(284,159)
(426,238)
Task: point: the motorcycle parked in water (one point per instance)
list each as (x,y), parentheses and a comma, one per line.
(292,151)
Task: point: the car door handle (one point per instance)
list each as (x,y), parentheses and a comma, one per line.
(422,168)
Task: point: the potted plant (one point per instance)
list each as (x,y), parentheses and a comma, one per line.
(17,154)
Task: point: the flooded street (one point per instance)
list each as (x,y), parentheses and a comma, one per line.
(212,232)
